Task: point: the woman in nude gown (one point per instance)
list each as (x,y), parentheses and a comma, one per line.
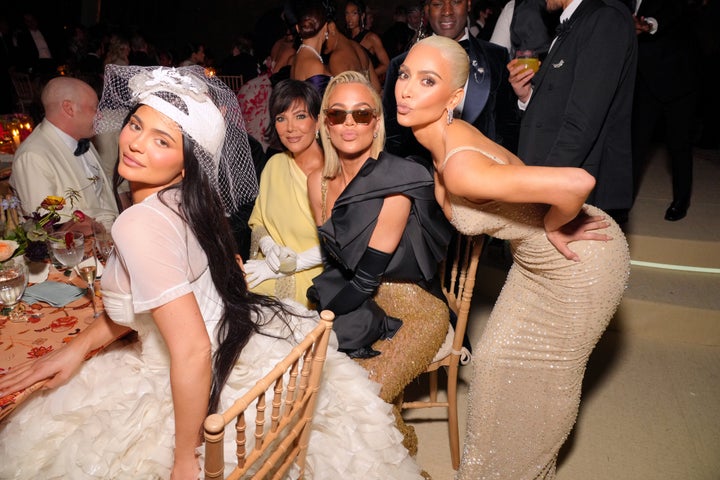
(570,269)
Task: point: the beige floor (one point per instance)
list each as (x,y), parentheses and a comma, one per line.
(651,398)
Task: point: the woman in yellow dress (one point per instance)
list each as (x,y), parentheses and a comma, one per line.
(285,250)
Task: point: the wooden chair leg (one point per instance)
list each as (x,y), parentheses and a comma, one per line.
(453,430)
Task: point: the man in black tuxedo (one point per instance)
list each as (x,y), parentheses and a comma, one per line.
(578,106)
(36,52)
(666,89)
(489,105)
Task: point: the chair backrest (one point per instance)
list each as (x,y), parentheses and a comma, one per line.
(458,274)
(232,81)
(23,87)
(24,90)
(286,439)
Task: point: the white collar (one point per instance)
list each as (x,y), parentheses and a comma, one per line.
(66,139)
(570,9)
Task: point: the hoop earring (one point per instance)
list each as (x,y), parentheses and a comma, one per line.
(449,116)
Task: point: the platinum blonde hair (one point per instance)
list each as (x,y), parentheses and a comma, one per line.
(332,161)
(454,53)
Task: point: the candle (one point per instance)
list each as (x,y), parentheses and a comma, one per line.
(16,137)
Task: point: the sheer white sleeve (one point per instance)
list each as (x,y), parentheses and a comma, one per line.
(156,253)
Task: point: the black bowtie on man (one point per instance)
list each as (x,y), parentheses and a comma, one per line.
(489,104)
(82,147)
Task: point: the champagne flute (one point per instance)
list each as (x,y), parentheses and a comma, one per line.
(87,270)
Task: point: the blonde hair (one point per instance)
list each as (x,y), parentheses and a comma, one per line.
(332,161)
(454,53)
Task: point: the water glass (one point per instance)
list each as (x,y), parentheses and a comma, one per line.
(68,255)
(13,281)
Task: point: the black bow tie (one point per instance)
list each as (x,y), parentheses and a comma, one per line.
(563,28)
(82,146)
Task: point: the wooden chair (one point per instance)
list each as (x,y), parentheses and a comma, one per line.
(458,285)
(286,440)
(232,81)
(24,91)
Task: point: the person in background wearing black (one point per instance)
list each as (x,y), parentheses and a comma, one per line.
(665,89)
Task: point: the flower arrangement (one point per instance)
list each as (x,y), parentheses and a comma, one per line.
(30,236)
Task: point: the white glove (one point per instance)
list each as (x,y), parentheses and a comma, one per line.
(312,257)
(257,271)
(272,251)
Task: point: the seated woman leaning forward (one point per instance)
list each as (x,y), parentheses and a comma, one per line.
(135,410)
(384,236)
(556,301)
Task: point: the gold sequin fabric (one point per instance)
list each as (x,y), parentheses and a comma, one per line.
(530,360)
(406,355)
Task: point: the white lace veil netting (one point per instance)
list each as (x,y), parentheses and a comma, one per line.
(206,110)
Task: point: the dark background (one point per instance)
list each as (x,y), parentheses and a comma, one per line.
(171,24)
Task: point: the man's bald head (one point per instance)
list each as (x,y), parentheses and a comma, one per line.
(70,104)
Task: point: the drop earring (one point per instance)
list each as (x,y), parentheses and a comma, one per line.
(449,116)
(317,134)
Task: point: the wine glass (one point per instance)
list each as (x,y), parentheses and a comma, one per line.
(103,241)
(87,270)
(69,255)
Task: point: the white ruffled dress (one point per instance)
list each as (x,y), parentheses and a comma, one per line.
(114,418)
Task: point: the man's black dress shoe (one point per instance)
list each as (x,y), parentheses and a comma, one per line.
(676,211)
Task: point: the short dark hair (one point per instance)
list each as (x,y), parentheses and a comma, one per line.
(283,96)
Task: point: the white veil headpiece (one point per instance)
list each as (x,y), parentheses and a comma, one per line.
(204,108)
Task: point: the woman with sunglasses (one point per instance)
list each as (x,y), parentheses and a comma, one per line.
(284,248)
(384,236)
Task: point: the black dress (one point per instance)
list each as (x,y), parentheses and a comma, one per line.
(409,290)
(346,235)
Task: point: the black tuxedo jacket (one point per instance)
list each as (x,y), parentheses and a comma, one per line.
(27,55)
(581,107)
(490,104)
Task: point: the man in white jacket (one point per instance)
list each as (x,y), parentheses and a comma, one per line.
(57,156)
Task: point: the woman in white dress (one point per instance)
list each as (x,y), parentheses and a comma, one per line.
(135,410)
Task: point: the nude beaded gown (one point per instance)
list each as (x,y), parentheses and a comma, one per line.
(530,361)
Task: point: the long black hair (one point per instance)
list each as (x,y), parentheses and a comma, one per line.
(201,208)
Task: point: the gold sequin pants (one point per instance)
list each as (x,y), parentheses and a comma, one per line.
(406,355)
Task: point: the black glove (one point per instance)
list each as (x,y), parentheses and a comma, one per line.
(368,276)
